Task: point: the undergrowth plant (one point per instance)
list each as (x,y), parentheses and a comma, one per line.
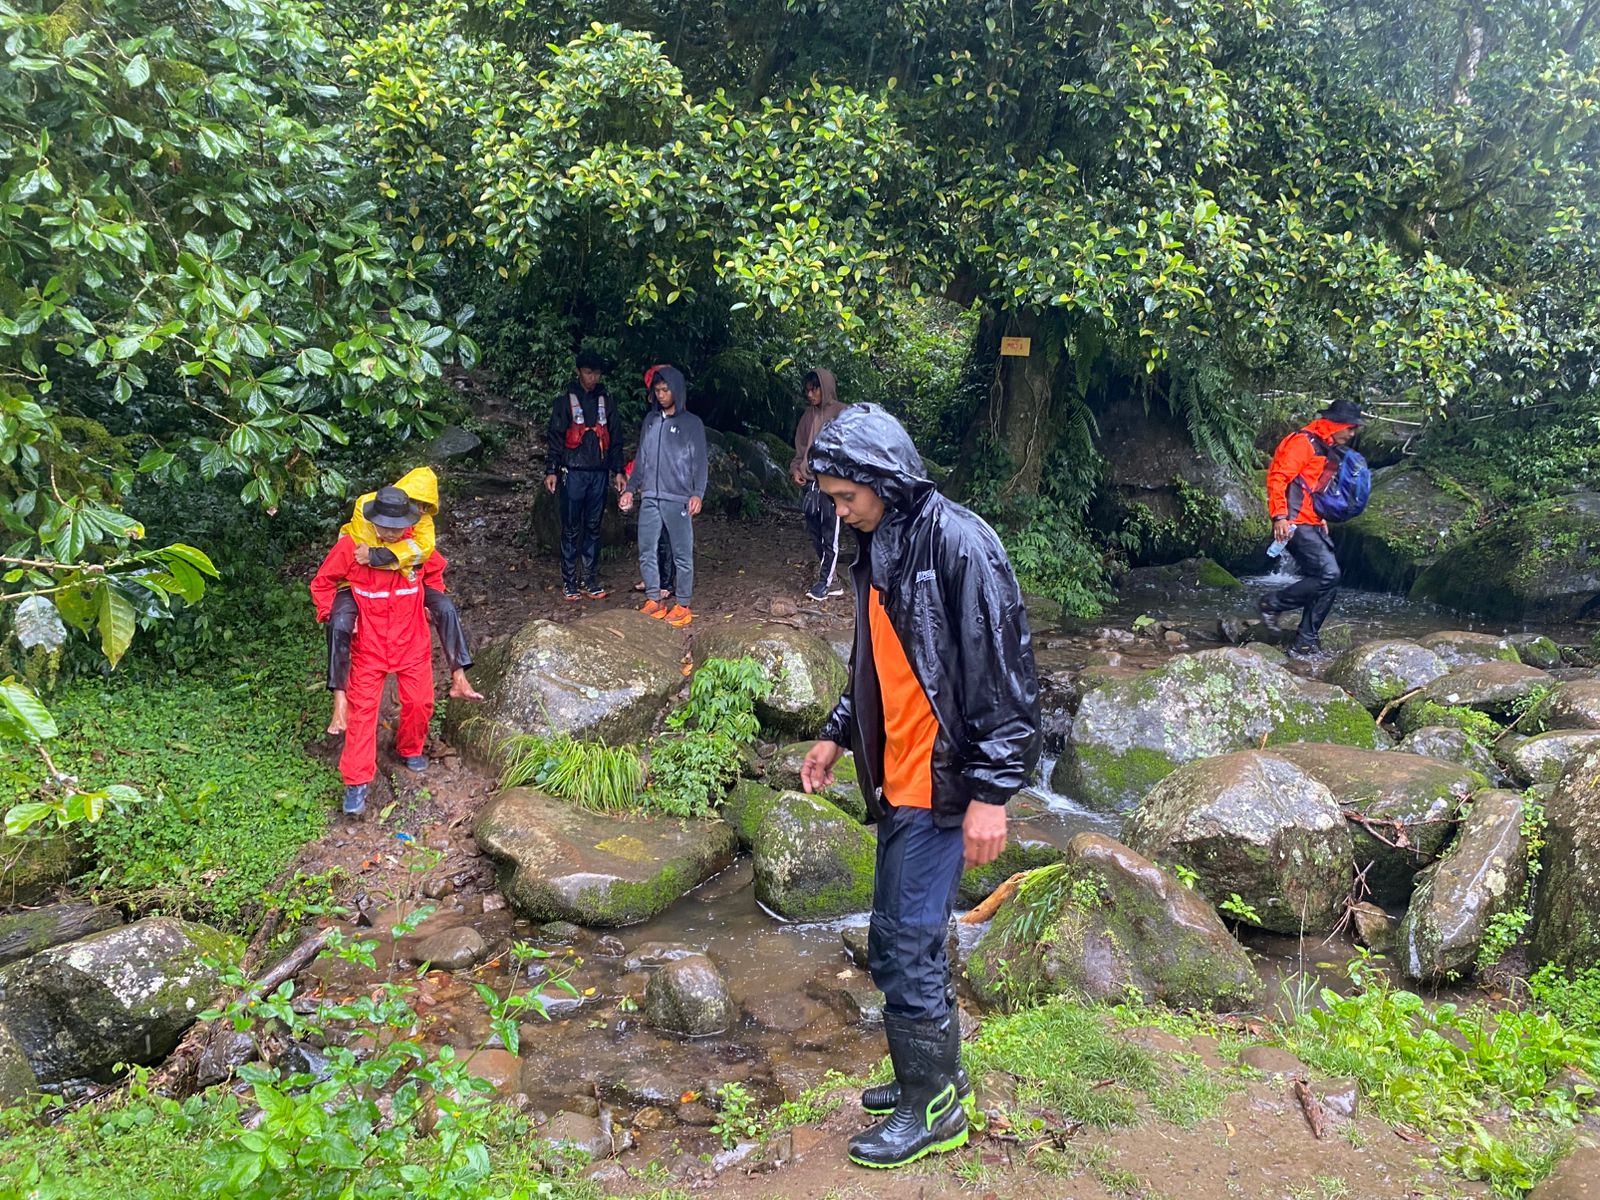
(689,771)
(591,774)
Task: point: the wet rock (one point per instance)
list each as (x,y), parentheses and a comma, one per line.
(1536,650)
(1409,520)
(1480,876)
(16,1073)
(1272,1060)
(863,1004)
(599,676)
(732,1157)
(1115,922)
(653,954)
(1340,1096)
(1375,928)
(812,862)
(647,1118)
(225,1052)
(1451,744)
(1378,672)
(1543,758)
(26,933)
(609,947)
(1543,560)
(454,443)
(1463,648)
(855,943)
(696,1114)
(1256,824)
(1495,688)
(500,1068)
(453,949)
(745,807)
(611,1174)
(783,773)
(1566,913)
(578,1131)
(1406,798)
(807,676)
(1180,580)
(688,996)
(559,933)
(302,1058)
(1573,704)
(124,995)
(1130,734)
(1020,854)
(439,887)
(558,862)
(1577,1177)
(33,867)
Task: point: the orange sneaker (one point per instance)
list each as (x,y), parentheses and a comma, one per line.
(679,616)
(654,608)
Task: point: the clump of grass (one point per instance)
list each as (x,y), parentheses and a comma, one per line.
(592,775)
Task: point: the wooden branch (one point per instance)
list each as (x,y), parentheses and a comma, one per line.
(1382,716)
(983,911)
(1312,1107)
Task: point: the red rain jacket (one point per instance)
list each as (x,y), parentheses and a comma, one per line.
(391,622)
(1296,458)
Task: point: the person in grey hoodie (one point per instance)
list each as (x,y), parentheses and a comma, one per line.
(822,406)
(669,484)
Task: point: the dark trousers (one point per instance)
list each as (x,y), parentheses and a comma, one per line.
(1312,550)
(822,522)
(582,501)
(342,627)
(913,895)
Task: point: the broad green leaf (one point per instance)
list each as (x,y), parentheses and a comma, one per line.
(115,619)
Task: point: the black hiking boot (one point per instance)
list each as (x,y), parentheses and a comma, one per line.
(1269,615)
(929,1118)
(880,1099)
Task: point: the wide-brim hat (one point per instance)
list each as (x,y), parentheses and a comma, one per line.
(1344,412)
(390,508)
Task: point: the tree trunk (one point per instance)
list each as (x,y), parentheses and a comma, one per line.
(1017,415)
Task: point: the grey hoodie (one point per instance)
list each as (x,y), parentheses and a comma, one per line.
(671,462)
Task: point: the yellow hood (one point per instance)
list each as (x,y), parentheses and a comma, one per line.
(422,485)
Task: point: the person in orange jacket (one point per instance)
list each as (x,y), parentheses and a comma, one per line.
(1293,475)
(391,637)
(406,554)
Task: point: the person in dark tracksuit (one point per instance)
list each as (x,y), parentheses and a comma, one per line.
(822,522)
(1296,467)
(582,455)
(669,481)
(942,712)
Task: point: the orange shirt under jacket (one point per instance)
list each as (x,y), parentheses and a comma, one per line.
(909,726)
(1296,458)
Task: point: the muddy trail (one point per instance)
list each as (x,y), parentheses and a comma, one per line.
(639,1100)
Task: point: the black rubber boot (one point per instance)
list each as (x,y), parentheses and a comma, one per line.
(929,1118)
(880,1100)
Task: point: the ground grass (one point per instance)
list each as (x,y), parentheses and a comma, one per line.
(217,753)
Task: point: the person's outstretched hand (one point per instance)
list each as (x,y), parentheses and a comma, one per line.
(816,772)
(625,501)
(983,832)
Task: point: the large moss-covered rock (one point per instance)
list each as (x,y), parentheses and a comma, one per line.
(1451,744)
(1566,914)
(1378,672)
(1257,824)
(807,675)
(16,1075)
(783,773)
(123,995)
(1497,688)
(1179,580)
(1105,923)
(559,863)
(607,676)
(812,862)
(1407,799)
(1543,758)
(1480,876)
(1574,704)
(1536,562)
(1411,517)
(33,866)
(1467,648)
(1130,733)
(1020,854)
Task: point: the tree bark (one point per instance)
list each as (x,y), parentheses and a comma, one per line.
(1016,414)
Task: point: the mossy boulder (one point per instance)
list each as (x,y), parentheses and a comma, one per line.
(807,675)
(783,773)
(1130,733)
(1412,516)
(1536,650)
(124,995)
(1105,923)
(744,808)
(1378,672)
(1574,704)
(1566,914)
(1466,648)
(1407,799)
(1478,877)
(1178,580)
(1543,758)
(1020,854)
(558,862)
(1254,823)
(688,996)
(1535,562)
(607,676)
(1452,744)
(16,1075)
(33,866)
(812,861)
(1497,689)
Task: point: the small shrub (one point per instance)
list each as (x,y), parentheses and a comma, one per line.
(592,775)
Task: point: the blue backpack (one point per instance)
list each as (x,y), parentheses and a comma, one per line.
(1345,485)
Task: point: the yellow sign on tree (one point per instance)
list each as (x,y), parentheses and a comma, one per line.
(1013,347)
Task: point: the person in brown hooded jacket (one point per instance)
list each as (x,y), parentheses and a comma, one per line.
(822,406)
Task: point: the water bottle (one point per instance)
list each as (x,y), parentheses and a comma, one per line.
(1276,549)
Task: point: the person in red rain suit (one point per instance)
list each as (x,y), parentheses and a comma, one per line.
(391,637)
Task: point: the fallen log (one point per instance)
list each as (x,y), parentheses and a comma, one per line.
(982,911)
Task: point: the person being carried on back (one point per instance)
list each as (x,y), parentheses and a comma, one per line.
(1314,477)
